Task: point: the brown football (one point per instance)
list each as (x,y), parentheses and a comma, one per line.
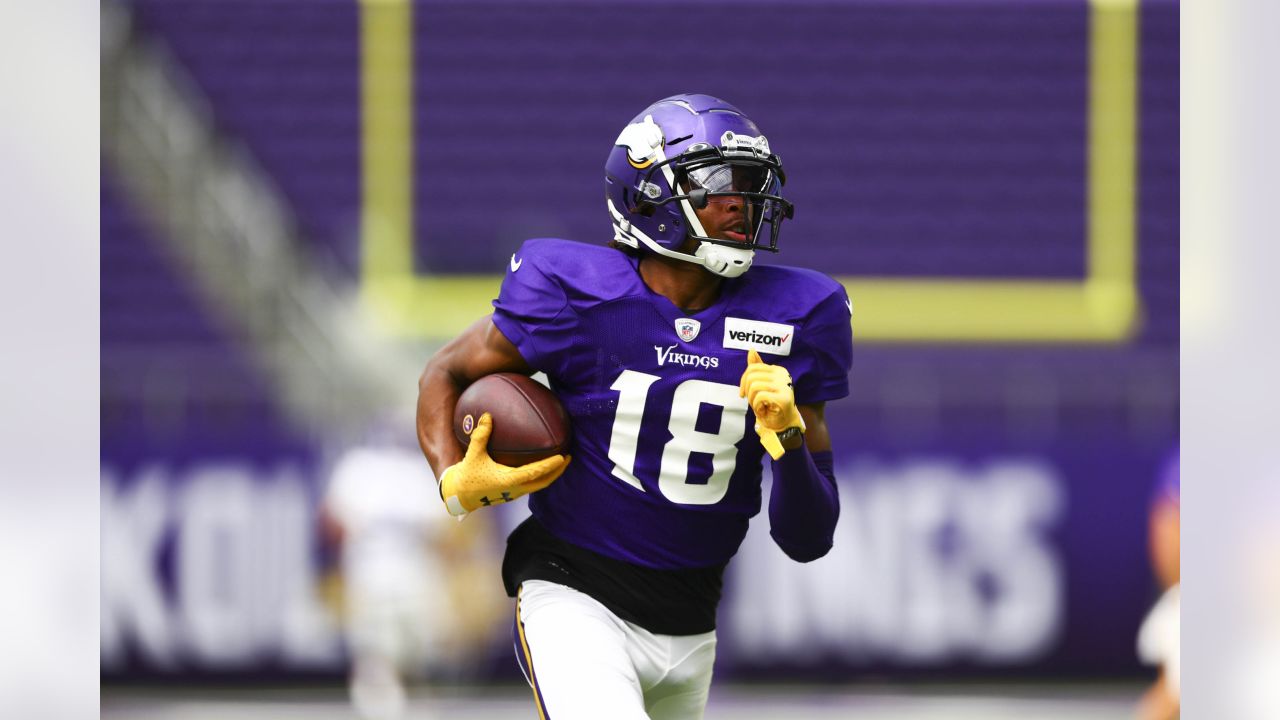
(529,423)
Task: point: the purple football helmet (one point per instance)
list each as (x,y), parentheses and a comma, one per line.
(680,154)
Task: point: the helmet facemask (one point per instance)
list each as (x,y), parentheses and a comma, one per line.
(705,175)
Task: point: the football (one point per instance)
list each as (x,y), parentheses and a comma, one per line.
(529,423)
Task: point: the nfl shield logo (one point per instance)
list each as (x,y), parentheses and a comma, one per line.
(687,329)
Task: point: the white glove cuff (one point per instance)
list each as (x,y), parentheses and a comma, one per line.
(451,503)
(455,507)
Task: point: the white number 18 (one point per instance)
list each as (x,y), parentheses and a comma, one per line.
(690,396)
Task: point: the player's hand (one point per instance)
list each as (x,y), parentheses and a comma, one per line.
(767,389)
(477,481)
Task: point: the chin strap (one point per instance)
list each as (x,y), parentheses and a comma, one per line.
(724,261)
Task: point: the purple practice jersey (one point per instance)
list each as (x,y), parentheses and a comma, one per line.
(666,464)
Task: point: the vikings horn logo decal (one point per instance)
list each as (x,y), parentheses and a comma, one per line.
(643,142)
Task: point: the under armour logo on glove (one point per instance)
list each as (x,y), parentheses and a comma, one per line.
(506,497)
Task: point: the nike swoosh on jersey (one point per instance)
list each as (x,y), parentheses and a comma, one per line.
(515,264)
(849,304)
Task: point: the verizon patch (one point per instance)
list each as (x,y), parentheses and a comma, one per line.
(765,337)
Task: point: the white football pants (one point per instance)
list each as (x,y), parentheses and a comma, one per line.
(585,663)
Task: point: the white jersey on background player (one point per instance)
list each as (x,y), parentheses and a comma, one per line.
(382,501)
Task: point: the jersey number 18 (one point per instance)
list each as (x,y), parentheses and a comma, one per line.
(686,439)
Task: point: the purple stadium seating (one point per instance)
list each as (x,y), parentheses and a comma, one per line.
(166,358)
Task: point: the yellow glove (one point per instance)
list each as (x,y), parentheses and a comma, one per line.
(477,481)
(767,389)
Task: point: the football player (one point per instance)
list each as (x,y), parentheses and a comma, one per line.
(392,570)
(680,366)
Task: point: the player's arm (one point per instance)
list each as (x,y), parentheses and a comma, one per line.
(816,438)
(804,504)
(479,350)
(473,479)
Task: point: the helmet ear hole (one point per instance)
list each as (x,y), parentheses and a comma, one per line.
(640,205)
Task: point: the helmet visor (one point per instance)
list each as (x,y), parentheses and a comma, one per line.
(747,186)
(732,178)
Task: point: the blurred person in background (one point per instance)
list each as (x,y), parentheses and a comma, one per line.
(1159,635)
(405,598)
(654,345)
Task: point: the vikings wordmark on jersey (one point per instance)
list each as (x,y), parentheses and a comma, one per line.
(662,440)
